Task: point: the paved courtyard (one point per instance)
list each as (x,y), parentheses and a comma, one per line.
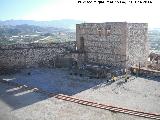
(18,104)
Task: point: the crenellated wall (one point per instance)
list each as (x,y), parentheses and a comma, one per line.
(32,55)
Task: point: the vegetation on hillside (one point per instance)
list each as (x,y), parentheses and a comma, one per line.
(32,34)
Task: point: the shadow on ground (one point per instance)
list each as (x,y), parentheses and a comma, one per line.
(154,78)
(56,81)
(16,97)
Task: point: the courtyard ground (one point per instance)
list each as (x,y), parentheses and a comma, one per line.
(139,93)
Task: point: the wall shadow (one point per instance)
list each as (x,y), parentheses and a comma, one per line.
(17,98)
(55,81)
(148,77)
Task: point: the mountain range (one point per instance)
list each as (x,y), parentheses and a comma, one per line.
(64,23)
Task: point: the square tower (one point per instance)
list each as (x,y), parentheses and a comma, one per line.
(118,44)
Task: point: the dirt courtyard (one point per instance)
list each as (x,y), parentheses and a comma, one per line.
(142,94)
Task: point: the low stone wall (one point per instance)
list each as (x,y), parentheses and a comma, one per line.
(32,55)
(146,72)
(154,66)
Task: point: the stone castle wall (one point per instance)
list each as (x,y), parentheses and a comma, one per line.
(113,43)
(137,44)
(32,55)
(104,43)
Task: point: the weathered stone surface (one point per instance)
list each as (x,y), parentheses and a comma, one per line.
(117,44)
(137,44)
(113,43)
(32,55)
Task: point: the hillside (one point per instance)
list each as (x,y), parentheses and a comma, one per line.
(154,39)
(31,34)
(65,23)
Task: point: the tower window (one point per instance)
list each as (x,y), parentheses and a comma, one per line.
(108,30)
(99,31)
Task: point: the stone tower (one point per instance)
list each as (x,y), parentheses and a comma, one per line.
(118,44)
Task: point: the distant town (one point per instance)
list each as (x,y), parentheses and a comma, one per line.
(154,40)
(33,34)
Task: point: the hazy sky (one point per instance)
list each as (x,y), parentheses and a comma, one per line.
(70,9)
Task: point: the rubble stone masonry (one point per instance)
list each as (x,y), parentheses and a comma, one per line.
(137,46)
(32,55)
(118,44)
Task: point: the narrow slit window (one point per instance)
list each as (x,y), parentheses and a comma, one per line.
(108,30)
(99,31)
